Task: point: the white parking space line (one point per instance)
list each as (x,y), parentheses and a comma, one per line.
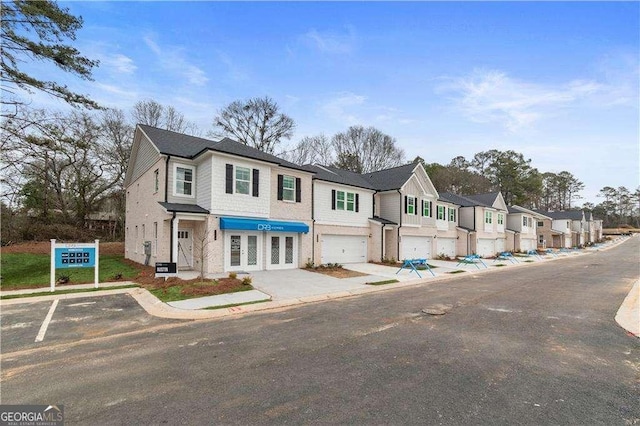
(47,320)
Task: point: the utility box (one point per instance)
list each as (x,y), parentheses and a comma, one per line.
(147,247)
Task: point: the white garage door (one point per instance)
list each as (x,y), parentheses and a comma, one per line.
(446,246)
(415,247)
(500,245)
(344,249)
(527,244)
(486,247)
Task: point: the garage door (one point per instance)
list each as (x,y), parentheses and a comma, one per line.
(344,249)
(446,246)
(500,245)
(486,247)
(529,244)
(415,247)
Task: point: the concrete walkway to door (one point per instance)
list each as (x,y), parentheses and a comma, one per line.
(296,283)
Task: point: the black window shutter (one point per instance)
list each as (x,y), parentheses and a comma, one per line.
(298,190)
(430,208)
(229,175)
(357,203)
(415,206)
(405,204)
(280,184)
(333,199)
(423,201)
(256,182)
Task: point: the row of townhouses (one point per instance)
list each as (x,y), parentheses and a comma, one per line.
(224,206)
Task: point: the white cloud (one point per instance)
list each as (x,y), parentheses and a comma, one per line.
(493,96)
(235,72)
(332,41)
(343,107)
(121,63)
(172,59)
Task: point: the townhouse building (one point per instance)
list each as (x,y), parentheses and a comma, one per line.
(482,223)
(217,206)
(524,224)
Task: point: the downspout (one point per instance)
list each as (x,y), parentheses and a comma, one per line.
(171,238)
(399,223)
(166,181)
(313,224)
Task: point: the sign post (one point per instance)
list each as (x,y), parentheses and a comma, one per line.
(74,255)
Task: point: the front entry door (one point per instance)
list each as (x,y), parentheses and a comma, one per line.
(185,248)
(243,252)
(283,251)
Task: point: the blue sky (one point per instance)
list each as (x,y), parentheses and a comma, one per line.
(555,81)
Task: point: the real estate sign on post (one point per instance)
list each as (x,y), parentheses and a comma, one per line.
(74,255)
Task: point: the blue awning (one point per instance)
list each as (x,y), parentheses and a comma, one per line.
(245,224)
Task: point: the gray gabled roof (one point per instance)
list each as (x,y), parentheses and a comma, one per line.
(335,175)
(186,146)
(484,199)
(461,200)
(390,179)
(567,214)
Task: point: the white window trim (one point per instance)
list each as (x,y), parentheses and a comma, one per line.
(415,204)
(293,190)
(235,180)
(444,213)
(175,180)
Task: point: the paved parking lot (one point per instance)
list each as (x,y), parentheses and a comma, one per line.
(71,320)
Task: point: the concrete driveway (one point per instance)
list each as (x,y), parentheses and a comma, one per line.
(295,283)
(386,272)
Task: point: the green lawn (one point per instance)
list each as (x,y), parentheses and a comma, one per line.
(22,270)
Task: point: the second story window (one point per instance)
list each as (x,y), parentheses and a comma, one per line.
(452,215)
(500,219)
(243,180)
(540,223)
(426,208)
(524,221)
(156,180)
(342,200)
(288,188)
(441,213)
(184,180)
(410,205)
(488,218)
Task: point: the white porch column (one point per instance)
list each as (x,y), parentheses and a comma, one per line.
(174,246)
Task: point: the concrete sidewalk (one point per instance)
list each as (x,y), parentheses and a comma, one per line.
(628,316)
(238,298)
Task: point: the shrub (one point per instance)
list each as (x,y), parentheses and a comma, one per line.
(246,281)
(233,275)
(309,264)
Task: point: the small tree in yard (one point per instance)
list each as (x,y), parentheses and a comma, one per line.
(201,241)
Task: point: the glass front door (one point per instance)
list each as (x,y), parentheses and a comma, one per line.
(242,252)
(283,250)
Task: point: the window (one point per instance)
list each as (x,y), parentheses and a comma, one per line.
(541,239)
(411,205)
(339,200)
(426,208)
(288,188)
(452,215)
(351,201)
(441,215)
(184,180)
(156,180)
(488,218)
(540,223)
(243,180)
(524,221)
(500,219)
(529,222)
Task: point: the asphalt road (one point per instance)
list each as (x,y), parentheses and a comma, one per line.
(530,345)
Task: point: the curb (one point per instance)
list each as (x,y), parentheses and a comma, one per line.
(628,316)
(153,306)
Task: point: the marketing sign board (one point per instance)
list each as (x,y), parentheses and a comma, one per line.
(75,256)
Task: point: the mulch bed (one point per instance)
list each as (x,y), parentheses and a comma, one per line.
(336,272)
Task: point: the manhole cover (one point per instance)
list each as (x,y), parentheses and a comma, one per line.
(433,311)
